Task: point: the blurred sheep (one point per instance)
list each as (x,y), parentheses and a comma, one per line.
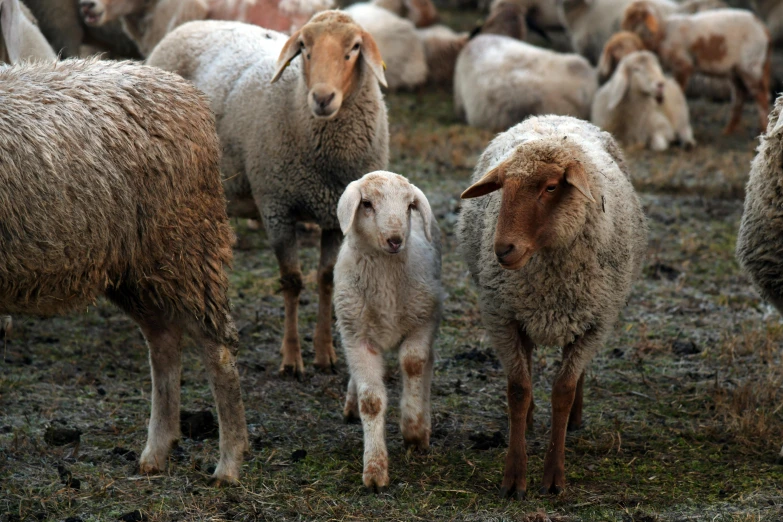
(422,13)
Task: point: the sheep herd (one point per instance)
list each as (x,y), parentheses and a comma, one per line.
(118,179)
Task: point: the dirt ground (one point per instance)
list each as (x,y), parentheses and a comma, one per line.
(683,407)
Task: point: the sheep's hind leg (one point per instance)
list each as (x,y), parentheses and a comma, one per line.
(220,361)
(287,253)
(416,359)
(759,91)
(164,341)
(351,409)
(325,356)
(738,95)
(575,417)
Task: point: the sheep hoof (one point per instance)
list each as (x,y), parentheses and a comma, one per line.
(419,443)
(554,489)
(287,370)
(351,417)
(573,426)
(146,468)
(513,493)
(329,367)
(779,460)
(377,489)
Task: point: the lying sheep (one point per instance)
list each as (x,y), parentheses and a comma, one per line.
(20,38)
(498,81)
(127,204)
(294,132)
(728,43)
(402,51)
(387,295)
(673,105)
(759,248)
(554,255)
(441,49)
(422,13)
(147,22)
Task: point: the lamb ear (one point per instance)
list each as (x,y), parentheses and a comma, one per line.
(489,182)
(606,64)
(291,50)
(576,176)
(618,86)
(11,29)
(372,57)
(347,206)
(423,206)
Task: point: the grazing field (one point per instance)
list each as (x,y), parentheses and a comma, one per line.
(683,407)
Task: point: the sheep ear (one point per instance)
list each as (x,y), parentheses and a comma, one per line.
(372,57)
(346,207)
(606,63)
(576,176)
(291,50)
(490,182)
(11,29)
(618,87)
(423,206)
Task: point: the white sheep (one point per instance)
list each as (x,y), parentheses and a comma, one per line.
(631,105)
(554,255)
(299,118)
(498,81)
(20,38)
(401,49)
(387,295)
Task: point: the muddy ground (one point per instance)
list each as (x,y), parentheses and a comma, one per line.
(683,407)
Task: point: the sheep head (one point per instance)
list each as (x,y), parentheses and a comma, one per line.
(546,190)
(619,45)
(422,13)
(642,17)
(99,12)
(639,72)
(377,210)
(334,50)
(506,19)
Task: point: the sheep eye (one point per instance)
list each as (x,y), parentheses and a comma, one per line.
(355,46)
(551,188)
(367,204)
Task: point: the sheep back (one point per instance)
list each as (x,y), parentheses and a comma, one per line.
(110,184)
(559,293)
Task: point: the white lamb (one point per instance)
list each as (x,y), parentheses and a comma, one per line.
(387,294)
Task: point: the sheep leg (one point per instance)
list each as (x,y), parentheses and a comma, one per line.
(416,358)
(682,70)
(575,417)
(760,93)
(513,346)
(738,95)
(325,356)
(351,409)
(164,341)
(366,366)
(291,284)
(221,364)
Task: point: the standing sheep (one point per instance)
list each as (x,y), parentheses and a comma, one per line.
(387,295)
(759,245)
(554,255)
(114,189)
(20,38)
(295,133)
(498,81)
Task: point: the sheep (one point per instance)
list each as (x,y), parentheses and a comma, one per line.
(541,15)
(114,189)
(146,22)
(294,134)
(441,49)
(674,106)
(387,295)
(759,248)
(422,13)
(498,81)
(402,50)
(728,43)
(553,255)
(20,38)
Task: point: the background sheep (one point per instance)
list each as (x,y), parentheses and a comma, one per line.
(387,295)
(114,188)
(397,40)
(553,256)
(146,22)
(729,43)
(421,12)
(20,38)
(441,49)
(638,129)
(498,81)
(290,148)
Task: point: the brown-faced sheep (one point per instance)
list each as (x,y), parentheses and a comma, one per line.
(422,13)
(114,189)
(295,133)
(727,43)
(554,255)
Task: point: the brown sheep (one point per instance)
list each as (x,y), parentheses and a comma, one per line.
(114,189)
(728,43)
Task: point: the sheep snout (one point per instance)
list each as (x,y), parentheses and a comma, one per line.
(325,101)
(93,12)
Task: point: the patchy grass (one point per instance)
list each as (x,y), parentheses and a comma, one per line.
(683,408)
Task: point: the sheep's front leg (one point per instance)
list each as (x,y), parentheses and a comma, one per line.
(325,356)
(738,96)
(514,348)
(575,417)
(285,246)
(164,341)
(576,356)
(416,358)
(366,366)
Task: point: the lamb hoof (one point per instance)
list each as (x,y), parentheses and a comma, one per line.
(553,489)
(329,367)
(573,426)
(376,476)
(147,468)
(513,493)
(418,443)
(291,371)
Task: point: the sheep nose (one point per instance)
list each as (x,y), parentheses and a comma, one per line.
(501,251)
(323,100)
(394,243)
